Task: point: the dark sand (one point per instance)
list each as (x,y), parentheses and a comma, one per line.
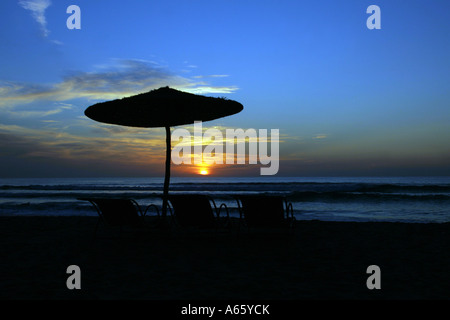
(322,260)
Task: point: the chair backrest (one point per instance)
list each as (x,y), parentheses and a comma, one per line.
(117,212)
(192,210)
(263,210)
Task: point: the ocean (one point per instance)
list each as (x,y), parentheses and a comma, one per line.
(399,199)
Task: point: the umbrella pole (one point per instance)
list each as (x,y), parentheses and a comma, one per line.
(167,175)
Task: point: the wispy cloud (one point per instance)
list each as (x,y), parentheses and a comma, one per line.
(212,76)
(123,78)
(28,142)
(37,8)
(38,113)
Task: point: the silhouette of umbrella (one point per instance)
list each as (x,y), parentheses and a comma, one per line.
(163,107)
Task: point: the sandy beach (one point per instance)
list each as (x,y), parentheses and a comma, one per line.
(321,260)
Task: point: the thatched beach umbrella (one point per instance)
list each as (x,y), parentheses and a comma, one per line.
(163,107)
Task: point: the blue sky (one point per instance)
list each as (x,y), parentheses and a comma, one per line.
(347,100)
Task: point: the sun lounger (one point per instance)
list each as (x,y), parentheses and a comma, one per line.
(257,211)
(198,211)
(120,213)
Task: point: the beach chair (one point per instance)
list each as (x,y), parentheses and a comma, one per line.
(265,211)
(197,211)
(119,213)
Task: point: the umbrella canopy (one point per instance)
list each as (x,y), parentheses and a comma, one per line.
(163,107)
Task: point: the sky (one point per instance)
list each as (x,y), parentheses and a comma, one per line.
(347,100)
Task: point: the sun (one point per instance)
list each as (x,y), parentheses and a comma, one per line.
(204,172)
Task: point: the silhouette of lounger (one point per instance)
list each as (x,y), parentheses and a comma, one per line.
(120,213)
(256,211)
(197,210)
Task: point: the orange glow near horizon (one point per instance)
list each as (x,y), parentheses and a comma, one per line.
(203,172)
